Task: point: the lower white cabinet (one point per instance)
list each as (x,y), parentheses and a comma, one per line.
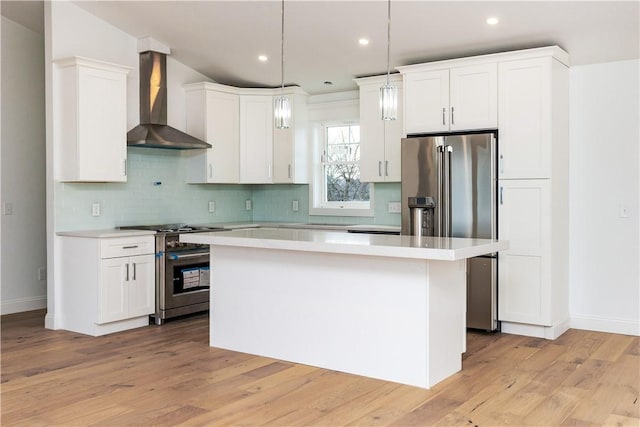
(108,283)
(532,273)
(124,288)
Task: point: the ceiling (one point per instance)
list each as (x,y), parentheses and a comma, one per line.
(222,39)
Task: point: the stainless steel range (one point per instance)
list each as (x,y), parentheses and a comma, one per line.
(182,271)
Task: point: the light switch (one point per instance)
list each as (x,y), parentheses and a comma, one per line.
(625,211)
(294,206)
(95,209)
(212,206)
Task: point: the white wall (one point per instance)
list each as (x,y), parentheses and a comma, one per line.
(23,168)
(604,163)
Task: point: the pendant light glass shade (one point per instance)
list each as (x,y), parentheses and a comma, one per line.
(388,92)
(282,106)
(282,112)
(389,102)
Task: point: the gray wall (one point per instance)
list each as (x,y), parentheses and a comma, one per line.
(23,169)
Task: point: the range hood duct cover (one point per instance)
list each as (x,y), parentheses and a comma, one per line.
(153,131)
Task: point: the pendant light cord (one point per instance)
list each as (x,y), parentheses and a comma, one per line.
(388,38)
(282,49)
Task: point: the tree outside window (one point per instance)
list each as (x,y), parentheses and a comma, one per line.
(341,166)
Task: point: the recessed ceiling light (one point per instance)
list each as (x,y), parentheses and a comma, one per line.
(328,83)
(263,58)
(492,20)
(363,41)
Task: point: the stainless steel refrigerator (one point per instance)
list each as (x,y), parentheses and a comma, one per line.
(452,180)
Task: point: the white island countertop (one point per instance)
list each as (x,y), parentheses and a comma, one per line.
(428,248)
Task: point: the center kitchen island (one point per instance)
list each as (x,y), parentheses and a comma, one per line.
(383,306)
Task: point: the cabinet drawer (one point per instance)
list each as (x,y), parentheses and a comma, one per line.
(126,246)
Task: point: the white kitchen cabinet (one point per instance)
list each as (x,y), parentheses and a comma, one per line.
(440,98)
(534,191)
(213,115)
(90,130)
(531,94)
(126,288)
(290,146)
(524,277)
(108,283)
(426,101)
(256,139)
(379,139)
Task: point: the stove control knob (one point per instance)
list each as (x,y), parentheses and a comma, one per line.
(171,244)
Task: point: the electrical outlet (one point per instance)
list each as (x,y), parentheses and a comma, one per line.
(247,204)
(7,208)
(394,207)
(95,209)
(212,206)
(294,206)
(42,273)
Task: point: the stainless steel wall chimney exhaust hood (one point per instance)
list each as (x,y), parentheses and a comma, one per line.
(153,131)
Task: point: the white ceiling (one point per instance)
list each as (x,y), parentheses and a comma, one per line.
(222,39)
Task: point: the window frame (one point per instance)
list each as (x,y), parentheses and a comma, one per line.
(318,205)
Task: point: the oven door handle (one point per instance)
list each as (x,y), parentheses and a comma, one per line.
(175,257)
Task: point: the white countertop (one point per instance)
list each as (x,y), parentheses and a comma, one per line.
(100,234)
(428,248)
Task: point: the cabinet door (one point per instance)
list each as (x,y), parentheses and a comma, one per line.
(256,139)
(392,136)
(372,134)
(223,133)
(214,117)
(102,125)
(426,101)
(141,285)
(524,269)
(113,292)
(525,119)
(474,97)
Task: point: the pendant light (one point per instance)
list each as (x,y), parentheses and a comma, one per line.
(282,106)
(388,92)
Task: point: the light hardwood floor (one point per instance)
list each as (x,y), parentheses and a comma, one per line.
(168,375)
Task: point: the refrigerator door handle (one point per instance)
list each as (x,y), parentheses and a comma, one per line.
(447,191)
(439,201)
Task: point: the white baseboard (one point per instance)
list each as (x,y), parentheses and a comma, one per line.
(606,324)
(538,331)
(23,304)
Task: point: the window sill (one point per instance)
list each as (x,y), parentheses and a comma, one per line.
(341,212)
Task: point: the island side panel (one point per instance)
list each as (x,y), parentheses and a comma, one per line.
(447,318)
(359,314)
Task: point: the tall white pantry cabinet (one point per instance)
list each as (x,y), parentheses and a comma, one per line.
(533,193)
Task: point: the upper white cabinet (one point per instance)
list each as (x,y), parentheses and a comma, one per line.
(441,98)
(256,139)
(379,139)
(290,146)
(213,115)
(532,97)
(90,130)
(239,125)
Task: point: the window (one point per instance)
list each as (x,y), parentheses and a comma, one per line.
(338,173)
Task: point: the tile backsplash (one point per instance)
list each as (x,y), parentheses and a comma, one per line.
(156,193)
